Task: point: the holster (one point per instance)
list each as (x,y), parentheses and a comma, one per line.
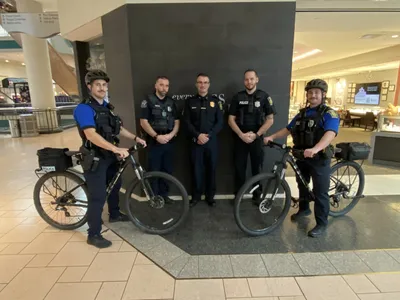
(90,161)
(328,152)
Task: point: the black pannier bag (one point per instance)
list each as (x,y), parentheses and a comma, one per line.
(54,159)
(353,151)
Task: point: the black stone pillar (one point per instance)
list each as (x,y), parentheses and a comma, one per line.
(81,54)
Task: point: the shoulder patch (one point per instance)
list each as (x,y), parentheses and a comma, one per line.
(144,104)
(270,101)
(333,113)
(220,105)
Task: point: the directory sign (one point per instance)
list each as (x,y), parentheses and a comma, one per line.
(368,93)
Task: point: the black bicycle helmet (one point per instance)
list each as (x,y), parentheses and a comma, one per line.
(317,84)
(95,75)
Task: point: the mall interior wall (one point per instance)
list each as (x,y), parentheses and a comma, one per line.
(143,41)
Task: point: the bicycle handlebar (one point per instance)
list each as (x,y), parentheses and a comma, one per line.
(135,148)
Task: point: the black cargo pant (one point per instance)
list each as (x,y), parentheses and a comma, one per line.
(97,182)
(319,170)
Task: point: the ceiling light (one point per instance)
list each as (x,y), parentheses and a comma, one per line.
(395,36)
(307,54)
(7,61)
(23,64)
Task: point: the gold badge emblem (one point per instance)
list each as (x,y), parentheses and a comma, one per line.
(212,104)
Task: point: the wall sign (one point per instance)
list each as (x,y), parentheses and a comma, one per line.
(40,25)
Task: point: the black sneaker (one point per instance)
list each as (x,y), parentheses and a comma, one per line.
(300,214)
(98,241)
(168,200)
(193,202)
(317,231)
(211,202)
(120,218)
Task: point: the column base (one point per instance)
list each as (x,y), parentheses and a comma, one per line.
(47,121)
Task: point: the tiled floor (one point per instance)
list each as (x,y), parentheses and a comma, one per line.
(39,262)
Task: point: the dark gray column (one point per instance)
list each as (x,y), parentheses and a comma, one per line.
(179,41)
(81,54)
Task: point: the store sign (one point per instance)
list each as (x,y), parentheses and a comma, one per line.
(40,25)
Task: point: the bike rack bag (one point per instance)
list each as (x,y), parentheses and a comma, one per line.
(54,159)
(353,151)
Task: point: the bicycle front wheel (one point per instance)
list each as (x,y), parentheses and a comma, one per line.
(346,187)
(262,204)
(158,203)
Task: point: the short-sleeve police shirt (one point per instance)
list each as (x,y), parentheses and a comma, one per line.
(146,108)
(84,115)
(266,103)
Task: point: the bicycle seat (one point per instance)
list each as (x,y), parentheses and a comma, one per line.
(72,153)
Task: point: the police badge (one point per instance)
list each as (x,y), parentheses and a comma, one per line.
(257,104)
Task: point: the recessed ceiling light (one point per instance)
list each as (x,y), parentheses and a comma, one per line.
(304,55)
(7,61)
(23,64)
(395,36)
(370,36)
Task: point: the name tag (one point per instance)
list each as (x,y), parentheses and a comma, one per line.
(203,107)
(244,102)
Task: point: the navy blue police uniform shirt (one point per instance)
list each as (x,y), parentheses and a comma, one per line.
(84,115)
(329,122)
(146,108)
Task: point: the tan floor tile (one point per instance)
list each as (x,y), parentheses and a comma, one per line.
(20,205)
(386,283)
(10,265)
(150,282)
(261,287)
(41,260)
(75,254)
(126,247)
(30,212)
(292,298)
(79,237)
(2,286)
(3,246)
(111,236)
(11,214)
(325,287)
(263,298)
(360,284)
(142,260)
(210,289)
(31,221)
(116,245)
(384,296)
(111,267)
(14,248)
(51,229)
(235,288)
(76,291)
(23,234)
(111,291)
(7,225)
(73,274)
(48,243)
(31,284)
(2,212)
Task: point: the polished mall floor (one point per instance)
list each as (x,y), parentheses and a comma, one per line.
(40,262)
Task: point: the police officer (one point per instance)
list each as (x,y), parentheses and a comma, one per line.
(99,127)
(203,117)
(159,119)
(251,114)
(313,130)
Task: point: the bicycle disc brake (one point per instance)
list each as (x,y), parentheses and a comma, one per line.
(157,202)
(265,206)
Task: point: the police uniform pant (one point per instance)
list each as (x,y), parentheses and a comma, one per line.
(319,170)
(204,161)
(241,153)
(160,159)
(97,182)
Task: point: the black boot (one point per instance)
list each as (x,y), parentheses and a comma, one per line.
(98,241)
(300,214)
(211,202)
(317,231)
(193,202)
(120,218)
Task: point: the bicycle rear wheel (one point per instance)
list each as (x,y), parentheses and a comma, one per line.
(346,187)
(259,213)
(61,199)
(155,213)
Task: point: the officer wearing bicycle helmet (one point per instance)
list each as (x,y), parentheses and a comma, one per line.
(159,119)
(99,128)
(313,131)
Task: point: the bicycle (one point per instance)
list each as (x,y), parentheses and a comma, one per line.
(276,185)
(154,222)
